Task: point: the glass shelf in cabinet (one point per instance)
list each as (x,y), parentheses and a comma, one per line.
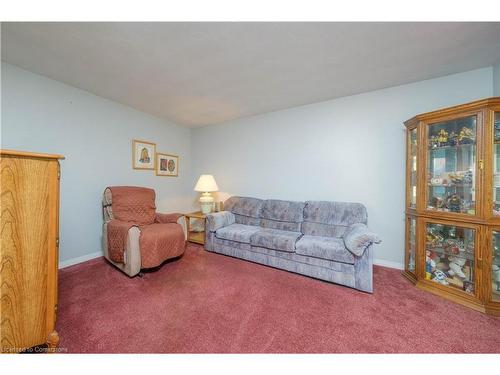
(459,146)
(450,185)
(444,252)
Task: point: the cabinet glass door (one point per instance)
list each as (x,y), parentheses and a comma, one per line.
(449,256)
(495,268)
(496,165)
(451,157)
(412,226)
(412,144)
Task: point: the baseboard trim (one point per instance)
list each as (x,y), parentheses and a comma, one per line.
(388,263)
(84,258)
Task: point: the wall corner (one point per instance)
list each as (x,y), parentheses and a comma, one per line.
(496,79)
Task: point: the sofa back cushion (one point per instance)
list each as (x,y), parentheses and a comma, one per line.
(246,210)
(331,219)
(283,215)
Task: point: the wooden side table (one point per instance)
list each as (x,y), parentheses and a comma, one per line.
(196,237)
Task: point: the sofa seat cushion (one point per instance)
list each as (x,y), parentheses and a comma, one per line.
(237,232)
(275,239)
(325,248)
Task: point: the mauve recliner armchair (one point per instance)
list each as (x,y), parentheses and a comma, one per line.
(134,235)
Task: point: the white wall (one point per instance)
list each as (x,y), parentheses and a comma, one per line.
(348,149)
(496,79)
(95,134)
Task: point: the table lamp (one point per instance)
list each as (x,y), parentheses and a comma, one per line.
(206,184)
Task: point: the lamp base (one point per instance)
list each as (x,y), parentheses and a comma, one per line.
(206,203)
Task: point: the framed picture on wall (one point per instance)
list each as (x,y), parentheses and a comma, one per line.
(167,165)
(143,154)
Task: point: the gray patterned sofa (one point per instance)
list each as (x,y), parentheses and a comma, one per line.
(324,240)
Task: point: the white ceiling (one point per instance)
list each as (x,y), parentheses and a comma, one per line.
(197,74)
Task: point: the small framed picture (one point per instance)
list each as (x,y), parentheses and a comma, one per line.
(167,165)
(143,154)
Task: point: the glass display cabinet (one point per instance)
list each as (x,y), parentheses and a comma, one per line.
(452,235)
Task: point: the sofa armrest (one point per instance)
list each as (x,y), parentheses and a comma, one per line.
(167,218)
(358,238)
(219,220)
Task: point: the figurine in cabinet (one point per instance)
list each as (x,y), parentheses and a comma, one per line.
(443,266)
(495,269)
(468,176)
(452,139)
(496,208)
(452,246)
(496,277)
(454,203)
(466,136)
(440,277)
(456,265)
(497,130)
(456,178)
(468,287)
(469,248)
(433,141)
(430,265)
(434,238)
(437,202)
(430,261)
(436,181)
(443,138)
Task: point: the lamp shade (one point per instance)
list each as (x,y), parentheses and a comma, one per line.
(206,183)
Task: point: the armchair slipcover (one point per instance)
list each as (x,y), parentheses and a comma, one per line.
(135,236)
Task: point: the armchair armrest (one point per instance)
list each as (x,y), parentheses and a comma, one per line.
(175,218)
(167,218)
(358,238)
(217,220)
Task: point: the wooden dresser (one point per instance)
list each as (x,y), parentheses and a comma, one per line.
(28,250)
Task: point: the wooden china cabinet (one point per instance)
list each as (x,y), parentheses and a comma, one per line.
(452,241)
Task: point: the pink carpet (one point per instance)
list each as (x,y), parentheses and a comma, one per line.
(210,303)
